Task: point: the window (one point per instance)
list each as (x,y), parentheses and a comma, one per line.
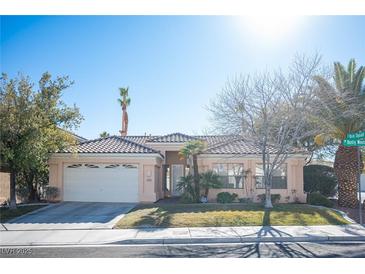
(279,179)
(112,166)
(75,166)
(91,166)
(129,166)
(231,174)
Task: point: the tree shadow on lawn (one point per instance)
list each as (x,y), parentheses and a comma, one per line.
(331,219)
(157,218)
(304,215)
(268,230)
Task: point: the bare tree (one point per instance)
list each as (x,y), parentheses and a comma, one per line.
(269,109)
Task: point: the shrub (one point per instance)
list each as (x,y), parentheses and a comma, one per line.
(51,192)
(226,197)
(208,180)
(22,192)
(317,198)
(245,200)
(186,186)
(319,178)
(275,198)
(186,198)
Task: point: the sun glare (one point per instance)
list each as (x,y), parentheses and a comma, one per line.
(271,29)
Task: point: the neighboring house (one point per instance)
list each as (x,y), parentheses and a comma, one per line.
(147,168)
(77,137)
(4,186)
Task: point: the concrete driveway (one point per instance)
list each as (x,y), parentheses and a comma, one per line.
(71,215)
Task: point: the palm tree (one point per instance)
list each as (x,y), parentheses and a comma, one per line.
(341,110)
(124,102)
(104,134)
(186,186)
(210,179)
(190,152)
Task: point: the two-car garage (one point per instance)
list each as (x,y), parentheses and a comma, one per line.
(111,169)
(88,182)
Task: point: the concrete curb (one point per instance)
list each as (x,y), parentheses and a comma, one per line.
(187,241)
(243,240)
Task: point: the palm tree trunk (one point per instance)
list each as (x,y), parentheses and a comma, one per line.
(346,170)
(196,177)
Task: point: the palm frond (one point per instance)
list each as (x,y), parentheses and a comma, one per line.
(123,91)
(128,101)
(339,76)
(340,107)
(359,78)
(351,69)
(320,139)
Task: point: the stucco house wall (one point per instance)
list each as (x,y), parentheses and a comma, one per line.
(155,156)
(4,186)
(148,166)
(295,181)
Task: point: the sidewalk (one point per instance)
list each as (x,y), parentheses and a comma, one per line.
(196,235)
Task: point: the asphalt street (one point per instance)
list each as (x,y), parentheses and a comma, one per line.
(249,250)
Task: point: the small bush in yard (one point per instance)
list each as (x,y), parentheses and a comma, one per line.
(275,198)
(51,192)
(245,200)
(226,197)
(186,186)
(186,198)
(320,178)
(317,198)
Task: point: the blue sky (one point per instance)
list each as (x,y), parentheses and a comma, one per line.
(173,65)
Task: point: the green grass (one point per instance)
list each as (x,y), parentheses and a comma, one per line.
(200,215)
(7,214)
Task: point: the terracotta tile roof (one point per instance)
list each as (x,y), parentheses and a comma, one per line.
(140,139)
(78,138)
(236,145)
(241,146)
(172,138)
(210,139)
(216,144)
(213,140)
(112,144)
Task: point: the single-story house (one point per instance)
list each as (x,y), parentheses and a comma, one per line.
(147,168)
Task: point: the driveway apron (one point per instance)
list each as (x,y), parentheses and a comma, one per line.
(72,215)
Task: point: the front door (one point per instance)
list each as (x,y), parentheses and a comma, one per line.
(177,171)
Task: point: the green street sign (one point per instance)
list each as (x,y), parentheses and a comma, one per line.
(356,135)
(353,143)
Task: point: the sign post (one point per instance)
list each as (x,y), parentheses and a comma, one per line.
(357,139)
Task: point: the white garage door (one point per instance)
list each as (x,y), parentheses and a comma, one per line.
(101,183)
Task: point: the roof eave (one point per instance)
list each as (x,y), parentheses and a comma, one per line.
(106,154)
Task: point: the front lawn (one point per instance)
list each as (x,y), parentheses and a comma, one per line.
(200,215)
(6,214)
